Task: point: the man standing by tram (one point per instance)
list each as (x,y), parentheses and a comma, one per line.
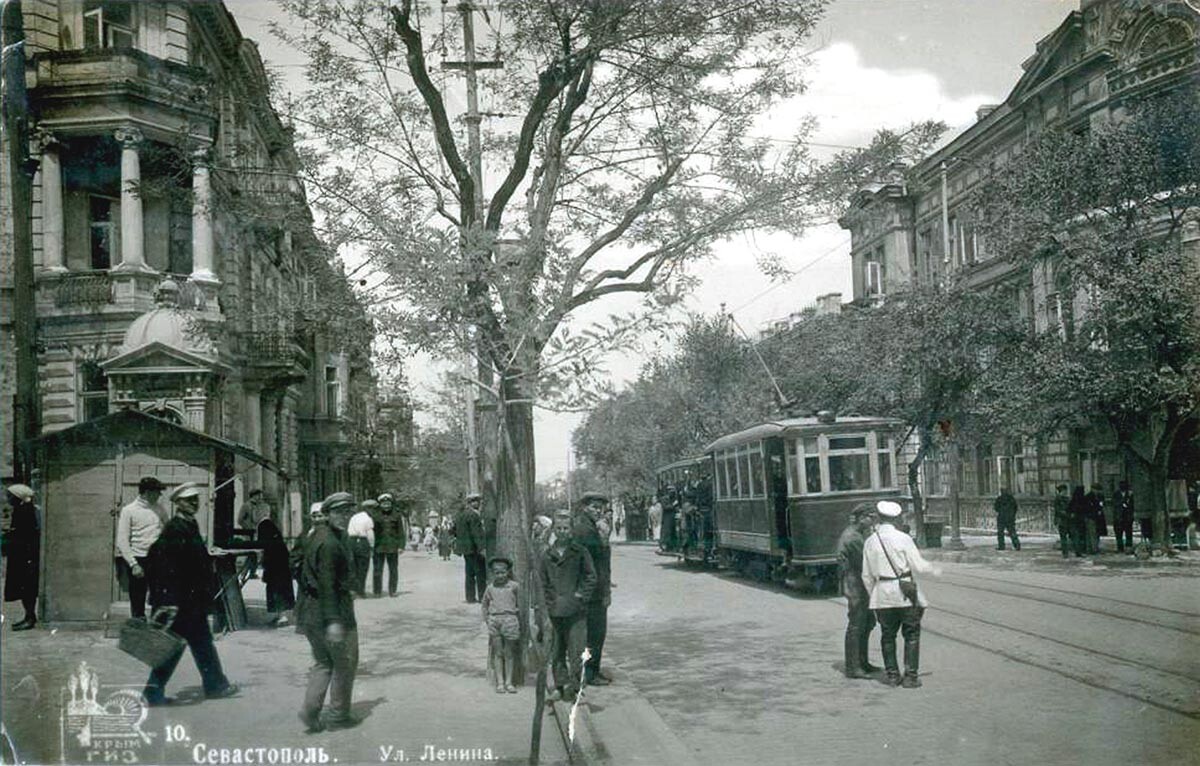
(859,619)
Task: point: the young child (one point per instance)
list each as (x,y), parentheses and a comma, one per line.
(504,630)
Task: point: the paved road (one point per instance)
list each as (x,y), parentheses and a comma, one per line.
(746,673)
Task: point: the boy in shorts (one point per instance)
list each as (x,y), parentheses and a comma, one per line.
(504,629)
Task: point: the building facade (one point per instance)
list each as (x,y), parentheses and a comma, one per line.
(175,268)
(913,226)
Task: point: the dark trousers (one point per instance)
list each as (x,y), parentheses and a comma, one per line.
(1123,529)
(859,624)
(1091,535)
(378,559)
(906,620)
(597,631)
(476,576)
(1009,526)
(29,604)
(192,626)
(135,585)
(1069,540)
(361,547)
(566,656)
(332,671)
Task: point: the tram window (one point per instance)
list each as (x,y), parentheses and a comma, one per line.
(812,474)
(885,469)
(793,469)
(735,487)
(746,476)
(847,442)
(756,473)
(848,473)
(720,483)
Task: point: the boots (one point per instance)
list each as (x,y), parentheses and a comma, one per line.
(912,662)
(853,653)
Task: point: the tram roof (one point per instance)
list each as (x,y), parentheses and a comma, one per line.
(786,426)
(685,463)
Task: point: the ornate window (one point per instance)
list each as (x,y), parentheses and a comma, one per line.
(1164,36)
(108,24)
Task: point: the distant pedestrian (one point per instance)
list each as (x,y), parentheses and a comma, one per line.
(181,592)
(501,614)
(890,557)
(1123,517)
(389,541)
(568,581)
(859,619)
(255,509)
(277,575)
(1062,521)
(1094,521)
(591,531)
(361,530)
(468,533)
(1077,512)
(654,518)
(1005,507)
(326,615)
(138,526)
(22,548)
(445,537)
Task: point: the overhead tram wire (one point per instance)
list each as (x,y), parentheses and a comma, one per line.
(793,275)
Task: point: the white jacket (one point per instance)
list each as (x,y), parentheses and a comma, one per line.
(885,594)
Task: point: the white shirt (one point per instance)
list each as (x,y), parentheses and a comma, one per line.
(885,594)
(362,525)
(138,527)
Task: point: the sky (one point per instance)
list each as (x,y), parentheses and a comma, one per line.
(877,64)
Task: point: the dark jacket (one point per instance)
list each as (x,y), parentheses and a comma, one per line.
(326,581)
(585,534)
(468,533)
(1006,508)
(277,574)
(389,531)
(181,571)
(850,557)
(1095,511)
(568,578)
(22,547)
(1062,512)
(1123,505)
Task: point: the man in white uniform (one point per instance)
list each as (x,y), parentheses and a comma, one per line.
(361,531)
(138,527)
(890,557)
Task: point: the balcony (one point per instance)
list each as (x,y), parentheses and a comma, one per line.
(273,358)
(87,290)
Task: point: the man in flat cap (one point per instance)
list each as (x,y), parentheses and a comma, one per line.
(326,615)
(591,531)
(181,584)
(859,619)
(138,526)
(890,559)
(472,546)
(22,548)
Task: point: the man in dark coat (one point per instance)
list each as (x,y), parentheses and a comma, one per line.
(22,547)
(860,621)
(181,582)
(1062,520)
(568,579)
(389,541)
(326,616)
(1094,521)
(1006,519)
(277,575)
(1123,517)
(472,546)
(589,533)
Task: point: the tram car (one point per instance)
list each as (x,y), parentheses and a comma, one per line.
(783,491)
(685,493)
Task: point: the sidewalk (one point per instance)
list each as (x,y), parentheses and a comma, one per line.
(420,687)
(1042,551)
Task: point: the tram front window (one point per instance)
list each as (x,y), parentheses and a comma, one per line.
(848,473)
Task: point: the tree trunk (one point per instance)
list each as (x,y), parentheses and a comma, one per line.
(914,487)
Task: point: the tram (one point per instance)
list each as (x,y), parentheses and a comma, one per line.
(685,493)
(783,492)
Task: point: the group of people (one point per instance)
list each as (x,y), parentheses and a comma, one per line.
(1081,520)
(878,563)
(377,533)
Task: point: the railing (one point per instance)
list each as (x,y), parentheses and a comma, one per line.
(91,289)
(268,347)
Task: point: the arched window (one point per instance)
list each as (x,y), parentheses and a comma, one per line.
(92,391)
(1163,36)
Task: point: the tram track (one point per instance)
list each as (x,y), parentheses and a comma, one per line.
(1065,604)
(1106,599)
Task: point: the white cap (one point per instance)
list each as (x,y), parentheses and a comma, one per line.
(185,490)
(888,508)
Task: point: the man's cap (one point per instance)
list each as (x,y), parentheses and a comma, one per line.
(338,501)
(21,491)
(593,497)
(862,509)
(563,513)
(889,508)
(501,560)
(474,496)
(368,503)
(386,497)
(150,484)
(184,491)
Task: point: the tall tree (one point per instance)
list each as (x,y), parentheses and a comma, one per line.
(1105,224)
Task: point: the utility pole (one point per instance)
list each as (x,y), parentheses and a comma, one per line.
(480,371)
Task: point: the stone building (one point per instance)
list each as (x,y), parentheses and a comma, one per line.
(175,266)
(913,226)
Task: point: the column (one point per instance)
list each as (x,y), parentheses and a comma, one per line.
(133,254)
(52,204)
(202,219)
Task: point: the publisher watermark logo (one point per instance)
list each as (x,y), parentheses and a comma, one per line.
(102,723)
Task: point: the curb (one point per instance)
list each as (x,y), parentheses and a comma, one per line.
(622,728)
